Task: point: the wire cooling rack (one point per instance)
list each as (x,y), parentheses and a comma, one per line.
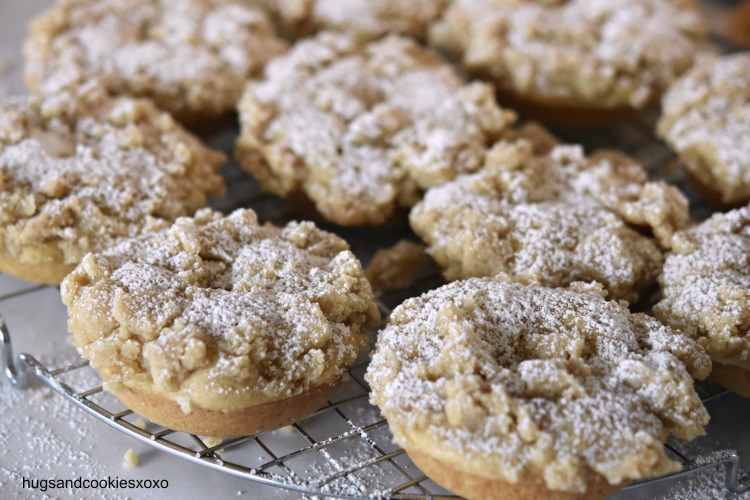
(345,449)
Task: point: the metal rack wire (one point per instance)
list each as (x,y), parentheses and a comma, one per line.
(345,449)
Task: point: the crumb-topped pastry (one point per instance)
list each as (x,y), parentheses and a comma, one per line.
(706,120)
(79,172)
(706,293)
(569,61)
(362,128)
(191,57)
(220,326)
(364,19)
(554,217)
(503,390)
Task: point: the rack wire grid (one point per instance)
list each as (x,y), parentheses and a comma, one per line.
(345,449)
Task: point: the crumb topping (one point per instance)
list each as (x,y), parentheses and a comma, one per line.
(398,267)
(706,286)
(221,312)
(555,217)
(706,120)
(365,19)
(522,382)
(80,172)
(599,53)
(189,56)
(390,119)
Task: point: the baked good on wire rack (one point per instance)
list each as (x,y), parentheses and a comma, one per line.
(80,172)
(573,62)
(706,121)
(503,390)
(706,293)
(554,216)
(364,19)
(191,57)
(220,326)
(361,129)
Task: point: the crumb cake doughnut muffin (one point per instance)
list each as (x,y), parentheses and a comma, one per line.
(80,172)
(504,390)
(554,217)
(364,19)
(362,128)
(220,326)
(191,57)
(706,293)
(706,121)
(573,62)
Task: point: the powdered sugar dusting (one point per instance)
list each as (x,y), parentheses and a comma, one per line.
(190,56)
(555,218)
(706,120)
(222,312)
(706,286)
(80,172)
(602,53)
(390,119)
(530,383)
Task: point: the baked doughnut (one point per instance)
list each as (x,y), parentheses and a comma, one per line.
(80,171)
(706,293)
(506,390)
(706,121)
(364,19)
(191,57)
(219,326)
(554,217)
(573,62)
(362,128)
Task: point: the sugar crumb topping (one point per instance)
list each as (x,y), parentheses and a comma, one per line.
(390,119)
(706,120)
(221,312)
(189,56)
(523,382)
(601,53)
(80,171)
(553,216)
(706,286)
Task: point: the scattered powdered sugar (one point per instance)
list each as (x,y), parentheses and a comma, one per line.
(706,120)
(60,450)
(556,218)
(531,383)
(80,171)
(603,53)
(391,118)
(221,310)
(706,286)
(189,56)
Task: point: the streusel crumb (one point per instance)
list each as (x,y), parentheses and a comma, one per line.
(706,120)
(222,313)
(79,172)
(706,286)
(362,129)
(191,57)
(520,383)
(596,53)
(555,218)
